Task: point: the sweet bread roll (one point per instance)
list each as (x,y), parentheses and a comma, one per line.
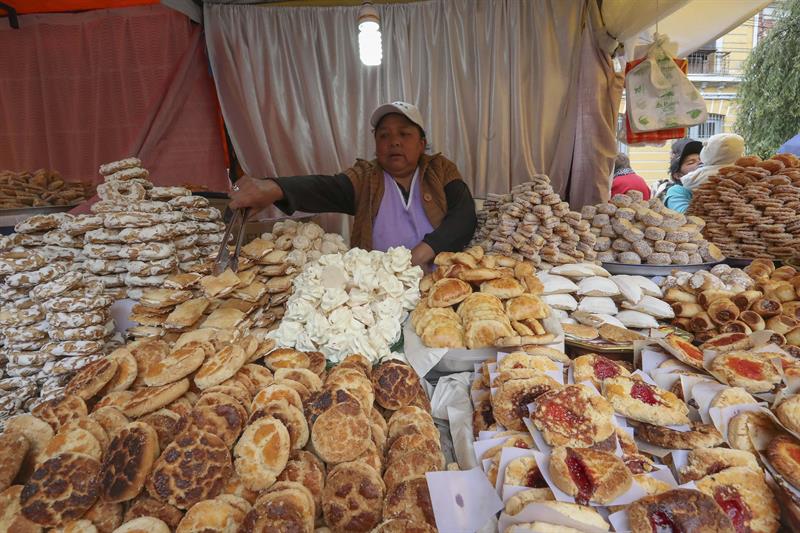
(674,294)
(792,309)
(737,326)
(793,336)
(722,311)
(784,273)
(766,307)
(782,291)
(781,324)
(701,322)
(448,291)
(526,306)
(686,310)
(503,288)
(709,296)
(745,299)
(753,319)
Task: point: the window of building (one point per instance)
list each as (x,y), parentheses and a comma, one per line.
(713,126)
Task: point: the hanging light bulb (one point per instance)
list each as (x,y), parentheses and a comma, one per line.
(369,35)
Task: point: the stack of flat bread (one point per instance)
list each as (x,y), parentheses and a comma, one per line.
(54,323)
(533,223)
(148,232)
(219,432)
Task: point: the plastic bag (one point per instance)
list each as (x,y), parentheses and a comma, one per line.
(659,94)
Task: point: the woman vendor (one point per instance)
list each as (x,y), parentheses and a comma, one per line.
(402,198)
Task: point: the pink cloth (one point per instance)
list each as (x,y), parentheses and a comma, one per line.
(81,89)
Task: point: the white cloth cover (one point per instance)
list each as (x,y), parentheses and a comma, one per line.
(497,83)
(720,150)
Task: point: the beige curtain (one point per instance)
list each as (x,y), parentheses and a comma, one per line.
(495,80)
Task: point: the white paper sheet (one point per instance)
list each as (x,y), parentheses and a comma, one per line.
(462,501)
(506,456)
(538,512)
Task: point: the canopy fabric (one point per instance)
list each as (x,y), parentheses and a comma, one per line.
(87,88)
(61,6)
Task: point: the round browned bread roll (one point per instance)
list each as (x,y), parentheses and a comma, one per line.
(61,489)
(143,505)
(61,410)
(323,400)
(412,464)
(503,288)
(11,518)
(13,448)
(194,467)
(410,499)
(589,475)
(395,384)
(128,461)
(305,468)
(352,500)
(90,379)
(342,433)
(679,510)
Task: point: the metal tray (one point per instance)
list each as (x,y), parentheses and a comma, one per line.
(654,270)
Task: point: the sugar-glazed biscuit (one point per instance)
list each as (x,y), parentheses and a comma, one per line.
(128,461)
(262,453)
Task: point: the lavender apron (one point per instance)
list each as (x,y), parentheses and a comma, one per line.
(398,224)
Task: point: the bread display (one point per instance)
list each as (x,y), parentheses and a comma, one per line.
(532,222)
(750,207)
(596,307)
(220,430)
(633,231)
(350,303)
(40,188)
(54,321)
(477,300)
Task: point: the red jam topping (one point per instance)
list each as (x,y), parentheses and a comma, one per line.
(794,451)
(746,368)
(644,393)
(661,522)
(521,444)
(562,415)
(689,350)
(731,502)
(604,369)
(579,475)
(535,480)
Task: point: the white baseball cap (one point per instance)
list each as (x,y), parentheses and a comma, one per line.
(410,111)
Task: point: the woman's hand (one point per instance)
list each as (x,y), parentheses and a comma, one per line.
(256,193)
(422,255)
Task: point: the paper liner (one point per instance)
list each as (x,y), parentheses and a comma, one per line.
(463,501)
(506,456)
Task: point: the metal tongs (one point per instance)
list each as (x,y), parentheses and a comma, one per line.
(224,259)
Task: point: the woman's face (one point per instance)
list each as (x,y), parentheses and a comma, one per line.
(690,163)
(398,145)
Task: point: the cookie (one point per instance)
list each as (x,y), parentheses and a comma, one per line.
(257,469)
(700,436)
(63,488)
(143,524)
(395,384)
(679,510)
(638,400)
(210,516)
(128,461)
(595,368)
(146,506)
(61,410)
(305,468)
(292,418)
(225,419)
(194,467)
(752,372)
(573,416)
(74,440)
(178,364)
(13,449)
(589,475)
(702,462)
(511,399)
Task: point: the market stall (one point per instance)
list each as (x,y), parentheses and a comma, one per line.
(585,363)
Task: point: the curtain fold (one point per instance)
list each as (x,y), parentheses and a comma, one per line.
(81,89)
(496,82)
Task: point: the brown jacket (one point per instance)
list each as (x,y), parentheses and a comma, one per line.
(436,172)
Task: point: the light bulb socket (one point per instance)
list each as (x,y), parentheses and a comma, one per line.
(367,12)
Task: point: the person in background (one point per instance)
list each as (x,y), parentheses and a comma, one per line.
(685,158)
(403,197)
(721,150)
(625,179)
